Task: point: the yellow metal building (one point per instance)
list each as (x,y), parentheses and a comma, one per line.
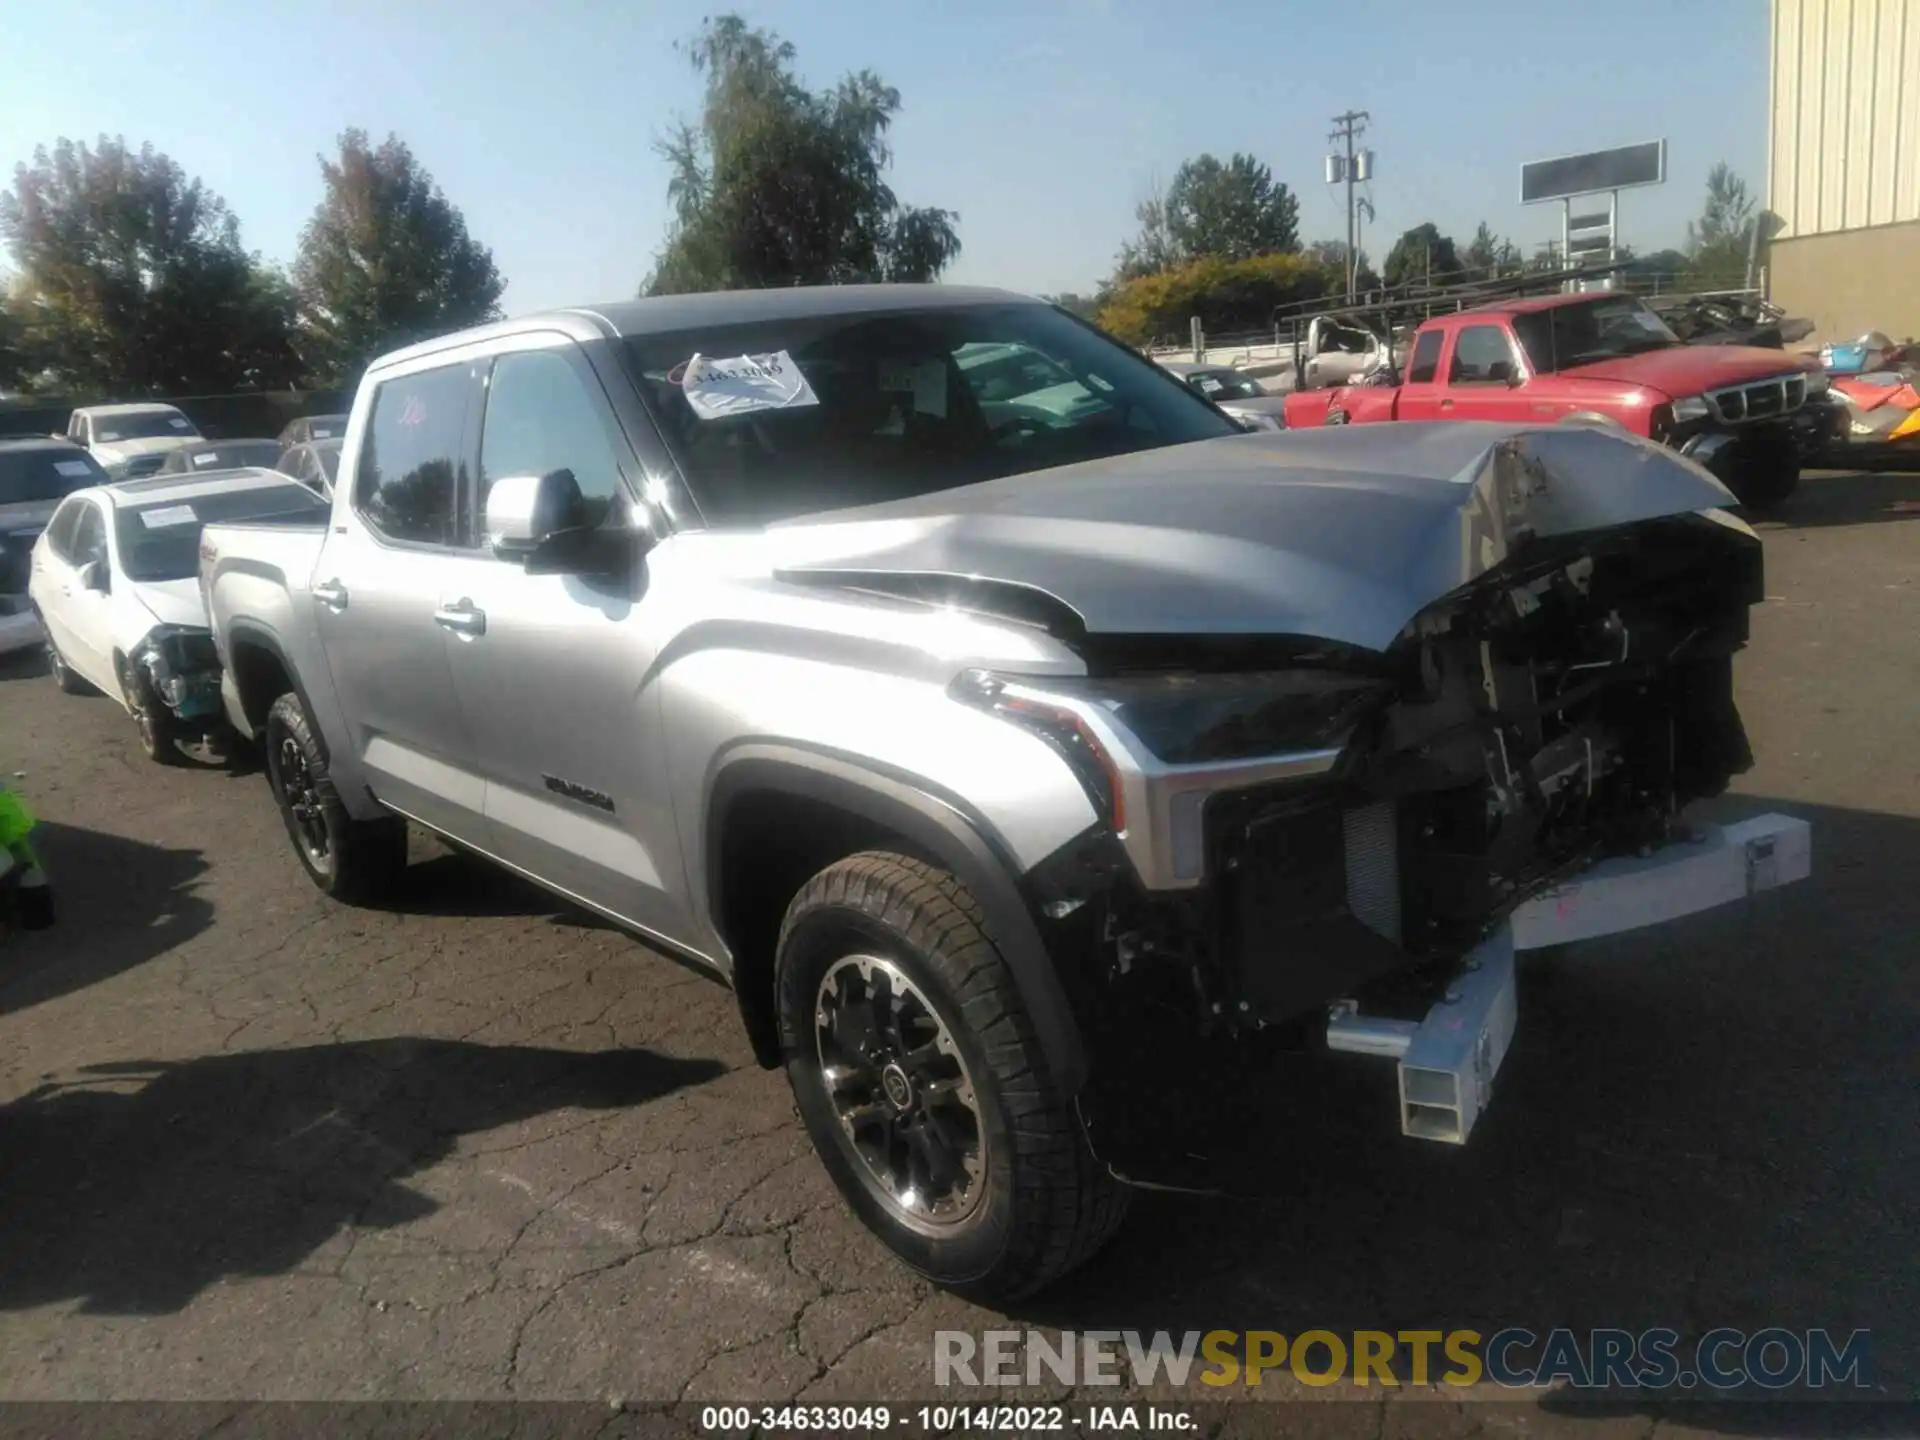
(1843,167)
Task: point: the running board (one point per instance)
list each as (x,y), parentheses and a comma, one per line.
(1448,1060)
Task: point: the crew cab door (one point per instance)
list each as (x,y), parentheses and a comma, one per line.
(1420,390)
(395,555)
(556,681)
(1485,376)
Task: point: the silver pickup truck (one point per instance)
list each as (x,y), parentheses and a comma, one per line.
(1033,772)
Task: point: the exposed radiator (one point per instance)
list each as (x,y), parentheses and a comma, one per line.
(1373,868)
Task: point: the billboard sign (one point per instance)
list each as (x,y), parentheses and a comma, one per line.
(1595,172)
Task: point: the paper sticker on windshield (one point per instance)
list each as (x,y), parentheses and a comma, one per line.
(178,423)
(212,457)
(926,382)
(321,432)
(167,516)
(744,385)
(74,469)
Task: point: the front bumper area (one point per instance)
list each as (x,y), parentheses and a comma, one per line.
(1447,1061)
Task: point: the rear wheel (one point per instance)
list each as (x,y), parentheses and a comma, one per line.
(353,860)
(64,675)
(916,1068)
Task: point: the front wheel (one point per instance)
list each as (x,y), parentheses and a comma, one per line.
(160,730)
(353,860)
(1762,480)
(925,1090)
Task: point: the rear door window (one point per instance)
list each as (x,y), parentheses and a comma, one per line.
(412,462)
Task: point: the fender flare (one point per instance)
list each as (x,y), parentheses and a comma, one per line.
(250,633)
(939,826)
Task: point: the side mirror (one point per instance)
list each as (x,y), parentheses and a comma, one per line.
(523,511)
(94,577)
(545,523)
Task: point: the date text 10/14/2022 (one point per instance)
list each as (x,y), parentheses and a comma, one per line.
(945,1419)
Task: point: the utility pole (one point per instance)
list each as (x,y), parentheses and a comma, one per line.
(1350,167)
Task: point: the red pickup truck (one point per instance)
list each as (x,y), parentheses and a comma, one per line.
(1751,416)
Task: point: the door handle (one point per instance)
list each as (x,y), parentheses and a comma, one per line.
(1446,404)
(331,594)
(461,617)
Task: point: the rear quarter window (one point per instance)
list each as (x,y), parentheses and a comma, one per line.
(1425,363)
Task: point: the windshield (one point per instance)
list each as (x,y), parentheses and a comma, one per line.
(835,411)
(109,428)
(327,452)
(326,427)
(1569,335)
(30,477)
(161,540)
(1218,385)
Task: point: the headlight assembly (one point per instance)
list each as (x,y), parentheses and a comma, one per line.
(1693,407)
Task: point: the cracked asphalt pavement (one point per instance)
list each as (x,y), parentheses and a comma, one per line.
(257,1145)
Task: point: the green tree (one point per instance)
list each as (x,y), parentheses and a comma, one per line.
(15,362)
(1233,210)
(1227,295)
(1422,256)
(1153,247)
(385,260)
(1333,255)
(1717,243)
(781,185)
(132,276)
(1488,255)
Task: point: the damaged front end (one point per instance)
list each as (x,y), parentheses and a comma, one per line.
(180,668)
(1355,823)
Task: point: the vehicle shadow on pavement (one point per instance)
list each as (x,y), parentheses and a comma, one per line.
(1708,1123)
(446,881)
(1862,497)
(131,1187)
(117,903)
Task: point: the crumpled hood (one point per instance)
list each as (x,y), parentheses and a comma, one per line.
(173,602)
(1339,533)
(1686,370)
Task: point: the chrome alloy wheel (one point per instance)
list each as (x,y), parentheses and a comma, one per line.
(302,799)
(904,1098)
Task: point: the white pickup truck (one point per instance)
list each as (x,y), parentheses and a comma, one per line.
(986,749)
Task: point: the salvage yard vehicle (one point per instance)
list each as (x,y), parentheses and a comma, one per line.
(205,455)
(37,472)
(130,440)
(309,428)
(1235,392)
(986,757)
(312,464)
(1752,416)
(114,584)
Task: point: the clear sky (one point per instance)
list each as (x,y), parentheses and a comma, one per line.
(1043,122)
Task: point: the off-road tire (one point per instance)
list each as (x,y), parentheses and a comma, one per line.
(1046,1203)
(64,675)
(159,728)
(361,861)
(1764,482)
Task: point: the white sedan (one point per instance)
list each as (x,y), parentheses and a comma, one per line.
(116,581)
